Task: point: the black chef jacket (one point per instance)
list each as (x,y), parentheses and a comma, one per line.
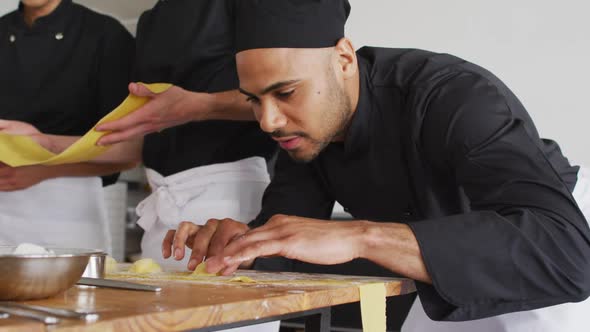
(190,43)
(66,71)
(442,145)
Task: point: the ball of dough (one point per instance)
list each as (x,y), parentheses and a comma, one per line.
(31,249)
(110,265)
(201,271)
(145,266)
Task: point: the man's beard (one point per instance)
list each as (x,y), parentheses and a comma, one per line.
(318,147)
(336,121)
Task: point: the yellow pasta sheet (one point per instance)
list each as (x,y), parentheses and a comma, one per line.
(373,307)
(18,151)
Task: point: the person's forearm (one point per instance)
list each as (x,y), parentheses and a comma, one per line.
(227,105)
(394,246)
(124,152)
(85,169)
(57,143)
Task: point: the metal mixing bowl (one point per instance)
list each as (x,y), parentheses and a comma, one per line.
(30,277)
(96,266)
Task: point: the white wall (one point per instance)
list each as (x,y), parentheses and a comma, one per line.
(127,11)
(540,48)
(7,6)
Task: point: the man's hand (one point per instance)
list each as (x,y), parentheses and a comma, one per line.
(205,241)
(170,108)
(19,178)
(20,128)
(230,245)
(308,240)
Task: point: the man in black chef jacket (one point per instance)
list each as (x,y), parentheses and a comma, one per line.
(435,157)
(63,67)
(191,44)
(215,172)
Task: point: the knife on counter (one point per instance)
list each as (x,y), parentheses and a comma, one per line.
(50,311)
(109,283)
(32,314)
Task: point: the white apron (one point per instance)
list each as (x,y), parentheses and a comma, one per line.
(229,190)
(570,317)
(64,212)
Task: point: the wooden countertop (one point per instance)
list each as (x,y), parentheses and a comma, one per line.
(188,303)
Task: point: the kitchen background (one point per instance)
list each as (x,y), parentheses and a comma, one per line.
(540,48)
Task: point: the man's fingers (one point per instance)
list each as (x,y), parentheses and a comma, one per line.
(167,243)
(276,228)
(6,186)
(185,229)
(256,235)
(134,119)
(277,222)
(216,264)
(243,247)
(6,172)
(232,268)
(126,135)
(148,113)
(228,264)
(228,230)
(6,124)
(140,90)
(201,243)
(228,270)
(255,250)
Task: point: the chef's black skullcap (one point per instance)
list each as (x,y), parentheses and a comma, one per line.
(290,23)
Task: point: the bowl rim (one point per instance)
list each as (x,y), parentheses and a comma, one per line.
(79,252)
